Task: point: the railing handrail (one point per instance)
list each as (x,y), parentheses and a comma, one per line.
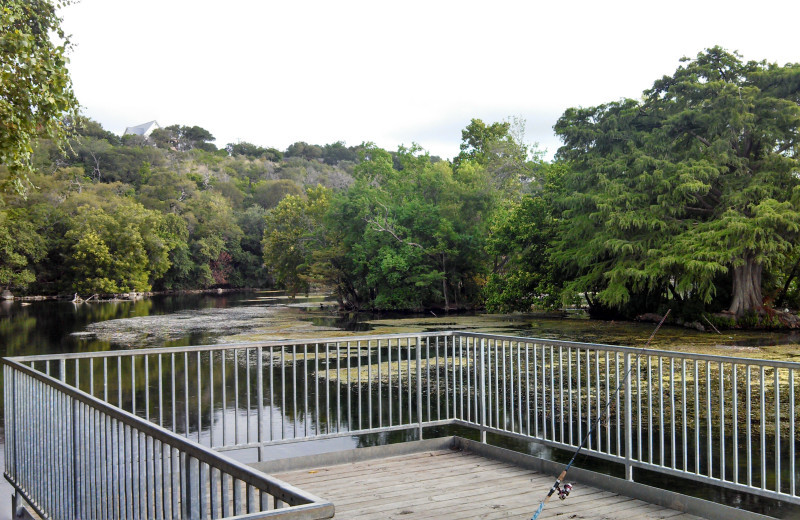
(637,350)
(275,487)
(224,346)
(376,337)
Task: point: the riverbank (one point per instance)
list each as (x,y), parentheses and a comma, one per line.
(116,297)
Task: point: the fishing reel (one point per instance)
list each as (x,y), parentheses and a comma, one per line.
(563,493)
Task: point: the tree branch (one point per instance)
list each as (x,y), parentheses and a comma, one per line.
(700,138)
(386,228)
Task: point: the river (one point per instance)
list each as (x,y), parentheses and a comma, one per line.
(45,327)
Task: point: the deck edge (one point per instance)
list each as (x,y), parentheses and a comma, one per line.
(660,497)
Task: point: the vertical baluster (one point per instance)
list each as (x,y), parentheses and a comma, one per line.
(428,375)
(502,349)
(561,391)
(248,404)
(483,390)
(673,454)
(721,369)
(318,430)
(570,418)
(763,426)
(792,437)
(735,421)
(174,417)
(579,397)
(408,360)
(294,389)
(380,384)
(186,391)
(389,378)
(146,387)
(598,393)
(607,371)
(282,389)
(650,408)
(199,397)
(588,399)
(160,393)
(684,438)
(399,382)
(369,384)
(223,354)
(552,393)
(519,387)
(661,409)
(452,341)
(777,430)
(211,384)
(709,449)
(447,411)
(133,385)
(639,407)
(338,387)
(260,399)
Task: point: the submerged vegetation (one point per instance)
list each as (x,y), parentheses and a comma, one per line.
(687,199)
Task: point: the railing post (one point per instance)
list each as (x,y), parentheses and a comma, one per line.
(75,457)
(628,420)
(419,388)
(483,390)
(260,382)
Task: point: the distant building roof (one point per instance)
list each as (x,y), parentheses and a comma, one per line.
(145,129)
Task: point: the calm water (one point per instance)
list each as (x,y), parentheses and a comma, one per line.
(53,327)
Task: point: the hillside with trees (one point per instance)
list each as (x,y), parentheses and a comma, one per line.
(687,198)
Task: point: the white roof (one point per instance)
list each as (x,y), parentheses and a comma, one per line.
(145,129)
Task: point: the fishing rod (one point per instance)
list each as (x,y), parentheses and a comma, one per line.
(564,492)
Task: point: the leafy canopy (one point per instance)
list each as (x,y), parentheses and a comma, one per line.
(695,183)
(35,88)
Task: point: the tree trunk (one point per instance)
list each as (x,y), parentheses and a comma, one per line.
(747,287)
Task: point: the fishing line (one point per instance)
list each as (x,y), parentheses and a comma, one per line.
(564,492)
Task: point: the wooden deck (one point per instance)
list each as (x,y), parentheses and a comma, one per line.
(452,485)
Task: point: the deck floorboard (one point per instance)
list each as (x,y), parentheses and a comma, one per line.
(454,485)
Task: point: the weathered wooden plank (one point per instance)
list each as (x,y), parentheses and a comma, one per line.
(458,486)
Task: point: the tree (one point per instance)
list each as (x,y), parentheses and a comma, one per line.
(693,186)
(20,246)
(185,138)
(253,151)
(289,232)
(35,87)
(122,247)
(409,237)
(334,153)
(520,242)
(501,150)
(304,150)
(268,194)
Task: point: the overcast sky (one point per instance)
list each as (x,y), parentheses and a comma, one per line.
(273,73)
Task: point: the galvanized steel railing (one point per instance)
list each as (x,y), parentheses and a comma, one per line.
(70,456)
(724,421)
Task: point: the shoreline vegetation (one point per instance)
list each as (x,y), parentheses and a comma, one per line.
(684,200)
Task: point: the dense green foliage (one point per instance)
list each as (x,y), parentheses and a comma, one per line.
(119,215)
(35,87)
(688,198)
(690,194)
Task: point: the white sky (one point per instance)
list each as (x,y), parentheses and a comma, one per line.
(273,73)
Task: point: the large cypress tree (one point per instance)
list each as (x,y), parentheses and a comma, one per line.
(697,181)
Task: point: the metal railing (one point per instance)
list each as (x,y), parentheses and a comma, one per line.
(70,455)
(724,421)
